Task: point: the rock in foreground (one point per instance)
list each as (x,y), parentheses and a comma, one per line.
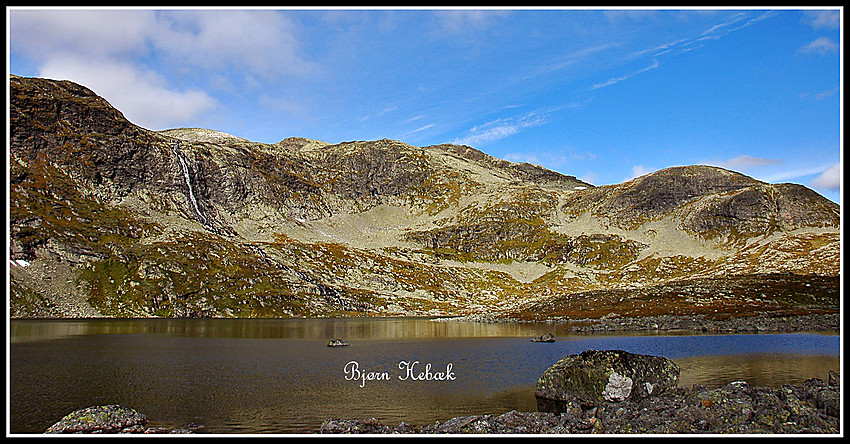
(110,419)
(582,381)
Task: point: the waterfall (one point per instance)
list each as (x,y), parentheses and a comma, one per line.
(189,184)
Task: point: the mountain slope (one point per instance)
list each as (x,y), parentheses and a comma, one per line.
(195,222)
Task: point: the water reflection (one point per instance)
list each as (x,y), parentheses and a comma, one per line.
(350,328)
(760,369)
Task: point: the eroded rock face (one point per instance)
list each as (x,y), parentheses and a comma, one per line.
(585,380)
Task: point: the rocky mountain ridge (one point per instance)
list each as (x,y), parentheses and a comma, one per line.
(111,219)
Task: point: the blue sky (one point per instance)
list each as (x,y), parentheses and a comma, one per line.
(605,95)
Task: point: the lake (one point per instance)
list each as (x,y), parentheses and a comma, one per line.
(278,376)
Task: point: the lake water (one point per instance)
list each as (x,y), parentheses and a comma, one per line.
(278,376)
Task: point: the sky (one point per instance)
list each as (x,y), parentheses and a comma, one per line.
(605,95)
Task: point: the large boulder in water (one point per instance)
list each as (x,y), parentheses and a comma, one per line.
(594,376)
(100,419)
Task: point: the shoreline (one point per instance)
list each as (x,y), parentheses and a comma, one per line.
(767,323)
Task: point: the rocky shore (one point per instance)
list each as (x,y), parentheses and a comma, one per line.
(772,322)
(745,324)
(616,392)
(809,408)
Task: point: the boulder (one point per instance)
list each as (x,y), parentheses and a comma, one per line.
(595,376)
(100,419)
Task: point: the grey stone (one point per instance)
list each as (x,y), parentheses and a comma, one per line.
(594,376)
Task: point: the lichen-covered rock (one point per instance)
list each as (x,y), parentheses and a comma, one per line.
(619,387)
(99,419)
(111,419)
(348,426)
(603,375)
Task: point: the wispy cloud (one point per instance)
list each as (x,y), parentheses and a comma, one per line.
(639,170)
(573,58)
(590,177)
(459,21)
(620,79)
(500,129)
(821,45)
(821,95)
(722,29)
(522,157)
(410,133)
(746,162)
(822,19)
(796,173)
(715,32)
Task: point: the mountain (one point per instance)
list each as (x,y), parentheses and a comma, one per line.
(111,219)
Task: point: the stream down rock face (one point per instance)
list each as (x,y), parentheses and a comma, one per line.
(583,381)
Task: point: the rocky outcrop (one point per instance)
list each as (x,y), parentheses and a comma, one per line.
(579,382)
(707,201)
(111,419)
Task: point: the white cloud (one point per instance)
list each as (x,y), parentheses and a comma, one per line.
(47,33)
(259,42)
(142,95)
(829,179)
(124,55)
